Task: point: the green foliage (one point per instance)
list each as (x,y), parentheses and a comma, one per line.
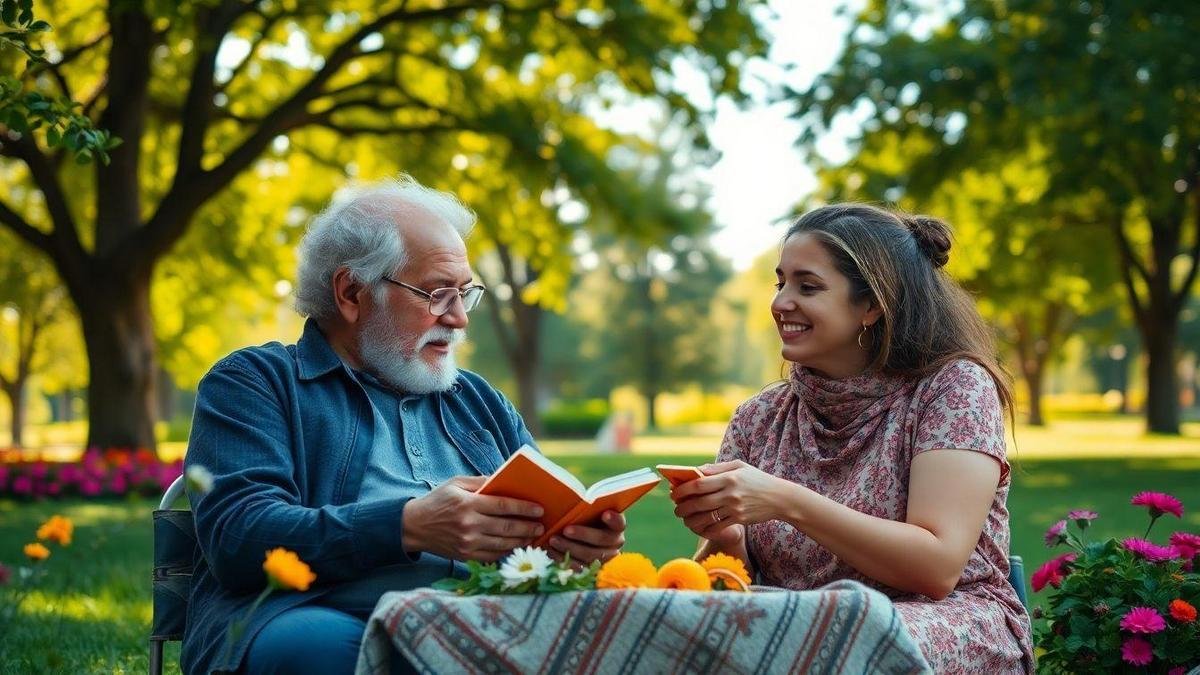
(575,419)
(17,17)
(485,579)
(1081,631)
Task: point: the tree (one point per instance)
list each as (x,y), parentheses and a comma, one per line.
(309,77)
(1109,88)
(32,304)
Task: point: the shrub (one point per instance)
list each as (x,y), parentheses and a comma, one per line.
(575,419)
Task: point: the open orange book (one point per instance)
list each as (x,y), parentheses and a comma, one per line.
(531,476)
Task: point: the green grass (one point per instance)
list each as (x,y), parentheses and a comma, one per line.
(94,612)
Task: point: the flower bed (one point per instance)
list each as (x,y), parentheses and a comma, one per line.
(1120,605)
(115,472)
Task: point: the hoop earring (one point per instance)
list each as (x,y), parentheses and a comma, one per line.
(779,316)
(861,333)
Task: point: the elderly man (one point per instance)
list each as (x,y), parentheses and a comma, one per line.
(359,447)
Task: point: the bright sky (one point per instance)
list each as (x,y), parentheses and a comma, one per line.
(761,174)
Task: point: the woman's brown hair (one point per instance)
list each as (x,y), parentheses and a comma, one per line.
(896,261)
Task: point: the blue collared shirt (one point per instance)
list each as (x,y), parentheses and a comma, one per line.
(288,433)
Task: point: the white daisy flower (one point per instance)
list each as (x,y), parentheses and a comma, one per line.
(524,564)
(199,479)
(563,576)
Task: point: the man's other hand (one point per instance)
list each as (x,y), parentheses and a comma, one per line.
(454,522)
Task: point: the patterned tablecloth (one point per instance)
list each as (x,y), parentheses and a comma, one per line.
(842,628)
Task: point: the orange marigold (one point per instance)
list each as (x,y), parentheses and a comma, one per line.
(58,528)
(287,571)
(723,566)
(684,574)
(36,552)
(1182,610)
(627,570)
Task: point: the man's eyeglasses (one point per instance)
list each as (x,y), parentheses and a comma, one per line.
(442,299)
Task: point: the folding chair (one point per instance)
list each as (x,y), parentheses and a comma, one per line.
(1016,576)
(174,552)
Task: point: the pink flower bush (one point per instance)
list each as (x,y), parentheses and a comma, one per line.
(1136,651)
(1158,503)
(1119,604)
(1143,620)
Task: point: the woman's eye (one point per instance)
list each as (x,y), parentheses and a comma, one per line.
(779,285)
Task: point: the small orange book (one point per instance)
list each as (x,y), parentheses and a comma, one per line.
(677,474)
(531,476)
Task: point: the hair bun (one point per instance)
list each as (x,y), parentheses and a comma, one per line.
(932,236)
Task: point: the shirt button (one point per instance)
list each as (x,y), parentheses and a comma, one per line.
(414,450)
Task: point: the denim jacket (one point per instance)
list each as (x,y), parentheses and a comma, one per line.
(286,432)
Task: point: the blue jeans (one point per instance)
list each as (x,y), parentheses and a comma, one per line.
(311,639)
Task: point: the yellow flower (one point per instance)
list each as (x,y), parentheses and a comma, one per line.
(58,529)
(684,574)
(726,563)
(36,552)
(627,570)
(287,571)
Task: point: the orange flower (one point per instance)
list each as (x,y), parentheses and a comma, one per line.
(58,528)
(684,574)
(730,571)
(36,552)
(627,570)
(1182,611)
(287,571)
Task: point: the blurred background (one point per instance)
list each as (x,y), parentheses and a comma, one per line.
(633,165)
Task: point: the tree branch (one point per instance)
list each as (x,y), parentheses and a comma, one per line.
(192,187)
(24,230)
(64,246)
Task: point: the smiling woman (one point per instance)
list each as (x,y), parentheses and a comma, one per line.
(882,459)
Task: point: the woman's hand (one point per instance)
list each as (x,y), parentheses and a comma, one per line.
(731,494)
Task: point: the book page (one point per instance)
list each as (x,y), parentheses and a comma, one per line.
(619,482)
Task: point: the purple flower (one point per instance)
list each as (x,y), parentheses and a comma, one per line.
(1158,503)
(1057,533)
(1137,651)
(22,485)
(1143,620)
(1186,543)
(1150,551)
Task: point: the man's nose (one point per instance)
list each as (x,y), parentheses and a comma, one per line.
(456,316)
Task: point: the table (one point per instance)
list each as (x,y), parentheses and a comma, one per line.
(843,627)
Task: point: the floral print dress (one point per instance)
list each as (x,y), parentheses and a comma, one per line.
(853,440)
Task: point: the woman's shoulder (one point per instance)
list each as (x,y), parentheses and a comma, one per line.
(960,374)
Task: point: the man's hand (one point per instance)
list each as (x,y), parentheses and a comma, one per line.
(454,522)
(586,543)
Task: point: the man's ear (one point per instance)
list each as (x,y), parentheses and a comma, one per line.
(348,295)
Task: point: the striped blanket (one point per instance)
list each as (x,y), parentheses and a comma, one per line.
(842,628)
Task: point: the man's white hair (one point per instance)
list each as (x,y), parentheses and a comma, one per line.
(358,231)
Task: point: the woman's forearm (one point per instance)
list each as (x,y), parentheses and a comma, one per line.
(901,555)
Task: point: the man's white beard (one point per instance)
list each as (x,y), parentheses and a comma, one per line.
(384,356)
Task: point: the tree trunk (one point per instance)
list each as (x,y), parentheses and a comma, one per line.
(526,369)
(651,419)
(1033,383)
(1162,390)
(118,332)
(16,398)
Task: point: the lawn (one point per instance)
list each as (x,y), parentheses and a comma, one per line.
(94,610)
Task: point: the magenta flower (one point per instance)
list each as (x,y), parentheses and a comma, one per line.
(22,485)
(1057,533)
(1051,573)
(1158,503)
(1150,551)
(1136,651)
(1186,543)
(1143,620)
(1177,670)
(5,575)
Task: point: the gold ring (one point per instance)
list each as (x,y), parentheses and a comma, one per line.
(716,518)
